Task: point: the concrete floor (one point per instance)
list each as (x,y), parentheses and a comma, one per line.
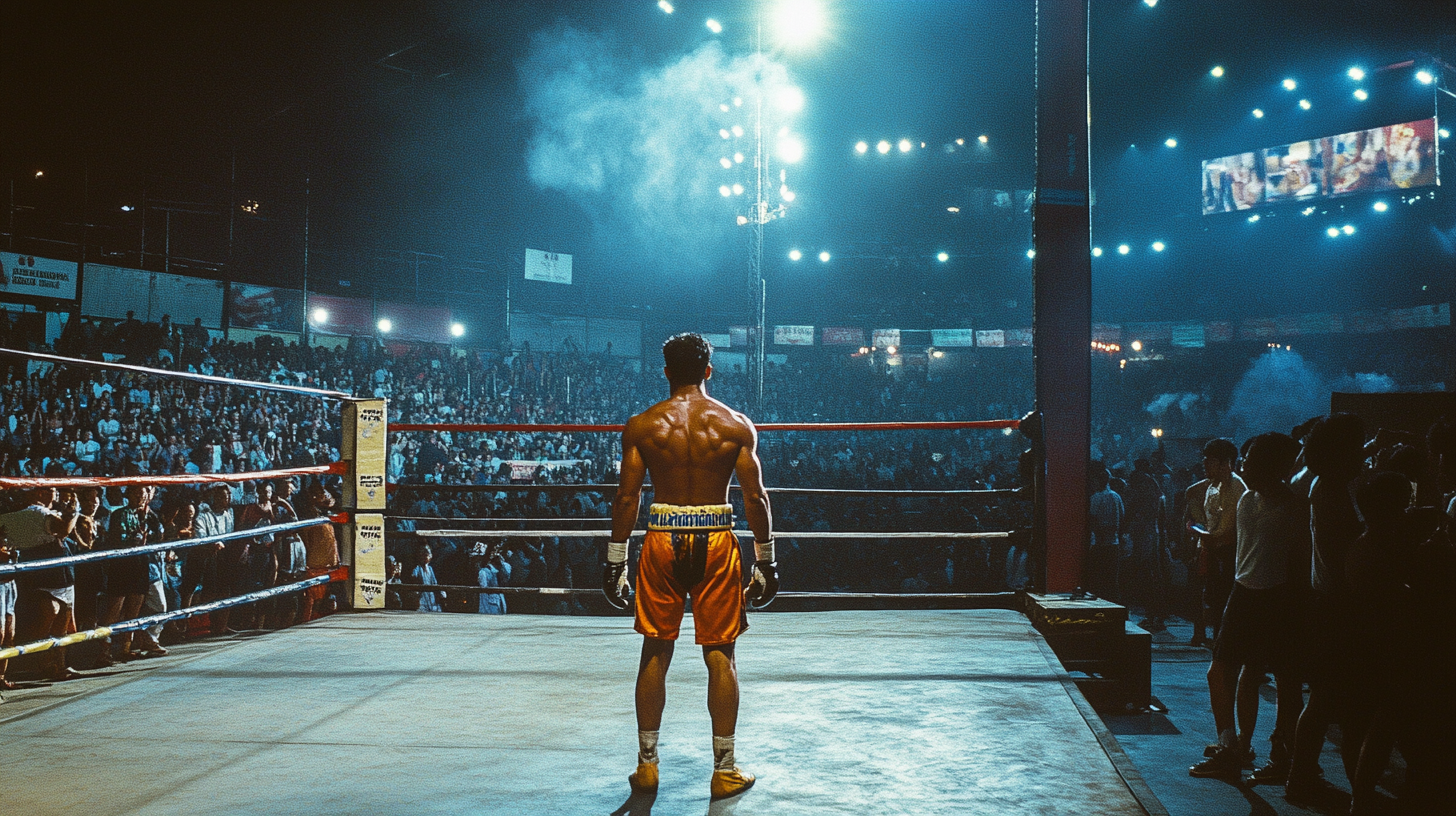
(843,712)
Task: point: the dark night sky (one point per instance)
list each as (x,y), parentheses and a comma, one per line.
(427,150)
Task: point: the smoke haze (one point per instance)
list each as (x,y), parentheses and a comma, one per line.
(638,146)
(1281,389)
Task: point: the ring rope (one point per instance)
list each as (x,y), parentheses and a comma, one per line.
(105,555)
(806,491)
(978,424)
(639,533)
(931,596)
(32,482)
(186,375)
(502,519)
(163,617)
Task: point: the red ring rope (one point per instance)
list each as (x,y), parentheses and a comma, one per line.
(31,483)
(980,424)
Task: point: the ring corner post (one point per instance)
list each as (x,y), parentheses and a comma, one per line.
(365,441)
(1062,285)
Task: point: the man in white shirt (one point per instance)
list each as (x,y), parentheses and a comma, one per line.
(1211,519)
(1259,623)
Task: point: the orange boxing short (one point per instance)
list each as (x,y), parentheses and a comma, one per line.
(697,556)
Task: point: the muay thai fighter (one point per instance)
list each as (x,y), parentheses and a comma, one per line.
(692,445)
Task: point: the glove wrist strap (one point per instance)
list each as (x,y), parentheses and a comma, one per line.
(616,552)
(763,550)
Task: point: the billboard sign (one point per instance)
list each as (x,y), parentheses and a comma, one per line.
(793,335)
(843,336)
(38,277)
(551,267)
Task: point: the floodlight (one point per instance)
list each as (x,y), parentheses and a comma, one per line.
(1258,113)
(798,23)
(891,350)
(1348,229)
(1030,253)
(738,131)
(1361,95)
(738,189)
(1333,232)
(1304,103)
(883,147)
(1425,77)
(1171,142)
(724,131)
(738,158)
(1159,246)
(1217,71)
(457,329)
(1356,74)
(714,26)
(1380,206)
(795,254)
(786,194)
(320,315)
(824,256)
(791,149)
(953,209)
(1137,345)
(127,208)
(1123,249)
(1289,84)
(39,173)
(1443,133)
(1253,218)
(1097,252)
(723,107)
(861,147)
(942,257)
(937,354)
(742,219)
(1150,3)
(905,145)
(983,138)
(726,162)
(665,6)
(789,99)
(385,325)
(725,191)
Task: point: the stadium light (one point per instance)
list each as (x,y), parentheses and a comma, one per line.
(665,6)
(39,173)
(1030,253)
(883,147)
(1333,232)
(1258,113)
(1150,3)
(791,149)
(824,256)
(385,325)
(1348,229)
(795,254)
(1217,71)
(1253,218)
(891,350)
(861,148)
(1097,252)
(1361,95)
(1424,77)
(905,145)
(1380,206)
(714,26)
(952,209)
(724,131)
(1289,84)
(320,315)
(1304,103)
(725,191)
(738,131)
(942,256)
(1444,133)
(798,23)
(1356,73)
(127,208)
(457,329)
(1171,142)
(789,99)
(1159,246)
(738,158)
(1123,249)
(786,194)
(726,162)
(983,138)
(738,189)
(1137,345)
(742,220)
(937,354)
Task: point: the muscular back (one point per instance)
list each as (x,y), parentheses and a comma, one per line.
(691,444)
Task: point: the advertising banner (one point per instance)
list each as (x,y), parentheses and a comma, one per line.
(1019,338)
(265,308)
(793,335)
(952,337)
(738,336)
(38,277)
(843,336)
(991,338)
(1232,183)
(1188,335)
(884,338)
(551,267)
(718,341)
(1394,157)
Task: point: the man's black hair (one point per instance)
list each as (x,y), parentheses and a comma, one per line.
(687,356)
(1222,449)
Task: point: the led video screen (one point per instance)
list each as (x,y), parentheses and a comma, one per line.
(1393,157)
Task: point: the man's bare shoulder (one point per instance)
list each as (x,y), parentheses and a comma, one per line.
(737,420)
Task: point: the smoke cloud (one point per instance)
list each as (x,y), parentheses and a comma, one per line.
(1163,402)
(1281,389)
(639,146)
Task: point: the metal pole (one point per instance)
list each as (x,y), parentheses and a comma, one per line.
(10,219)
(142,261)
(305,261)
(167,242)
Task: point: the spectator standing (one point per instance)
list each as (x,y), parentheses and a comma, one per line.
(1211,518)
(1106,515)
(127,583)
(46,597)
(424,574)
(491,571)
(1143,500)
(7,607)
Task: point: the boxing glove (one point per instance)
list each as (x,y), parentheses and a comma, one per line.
(614,576)
(763,583)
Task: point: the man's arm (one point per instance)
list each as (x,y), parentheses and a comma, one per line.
(629,487)
(755,496)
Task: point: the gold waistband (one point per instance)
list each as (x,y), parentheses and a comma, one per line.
(699,518)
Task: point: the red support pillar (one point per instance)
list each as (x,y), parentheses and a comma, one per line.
(1062,282)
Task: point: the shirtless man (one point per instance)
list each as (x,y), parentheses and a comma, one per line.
(692,445)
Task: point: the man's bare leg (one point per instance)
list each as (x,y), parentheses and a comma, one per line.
(722,688)
(651,698)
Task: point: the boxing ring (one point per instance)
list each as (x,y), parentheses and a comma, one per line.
(923,703)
